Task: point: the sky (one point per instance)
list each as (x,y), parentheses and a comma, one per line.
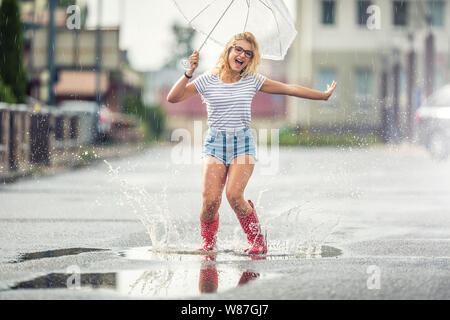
(145,30)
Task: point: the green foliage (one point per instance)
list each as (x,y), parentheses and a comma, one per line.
(183,48)
(6,94)
(87,154)
(151,117)
(65,3)
(156,119)
(12,70)
(288,137)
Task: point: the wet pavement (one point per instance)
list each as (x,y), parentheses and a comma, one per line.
(370,223)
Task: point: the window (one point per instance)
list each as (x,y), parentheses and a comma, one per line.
(328,12)
(436,11)
(326,77)
(59,128)
(73,128)
(362,15)
(363,87)
(400,12)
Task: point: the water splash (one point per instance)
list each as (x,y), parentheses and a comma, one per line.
(301,230)
(152,209)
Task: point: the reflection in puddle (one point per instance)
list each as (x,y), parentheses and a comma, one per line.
(208,280)
(209,277)
(196,274)
(53,254)
(61,280)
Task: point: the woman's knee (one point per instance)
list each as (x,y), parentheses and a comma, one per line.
(234,197)
(211,204)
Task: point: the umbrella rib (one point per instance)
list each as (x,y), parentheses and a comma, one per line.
(201,11)
(265,4)
(217,23)
(278,27)
(248,12)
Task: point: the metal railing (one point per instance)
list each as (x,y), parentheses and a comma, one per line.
(42,135)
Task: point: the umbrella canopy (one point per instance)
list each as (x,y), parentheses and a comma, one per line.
(219,20)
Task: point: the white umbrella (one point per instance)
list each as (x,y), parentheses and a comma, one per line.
(219,20)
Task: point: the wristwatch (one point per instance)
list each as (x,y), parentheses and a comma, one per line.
(189,77)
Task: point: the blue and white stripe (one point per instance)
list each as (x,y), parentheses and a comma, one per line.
(227,146)
(228,104)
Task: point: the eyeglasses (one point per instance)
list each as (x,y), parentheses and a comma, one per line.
(248,53)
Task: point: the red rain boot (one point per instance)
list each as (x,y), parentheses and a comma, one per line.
(208,231)
(247,276)
(252,228)
(209,277)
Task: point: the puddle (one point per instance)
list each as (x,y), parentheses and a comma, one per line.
(298,230)
(53,254)
(188,281)
(188,273)
(61,280)
(276,253)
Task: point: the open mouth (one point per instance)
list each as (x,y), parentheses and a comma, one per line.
(238,62)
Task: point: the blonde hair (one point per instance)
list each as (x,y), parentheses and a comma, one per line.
(222,64)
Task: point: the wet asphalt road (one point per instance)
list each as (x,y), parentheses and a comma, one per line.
(381,216)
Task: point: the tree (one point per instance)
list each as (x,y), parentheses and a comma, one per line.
(6,94)
(184,36)
(12,70)
(152,117)
(64,3)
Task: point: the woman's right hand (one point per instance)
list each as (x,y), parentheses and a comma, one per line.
(193,62)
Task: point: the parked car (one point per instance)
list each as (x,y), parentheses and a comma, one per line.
(432,122)
(118,126)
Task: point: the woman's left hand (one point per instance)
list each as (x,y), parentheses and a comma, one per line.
(330,90)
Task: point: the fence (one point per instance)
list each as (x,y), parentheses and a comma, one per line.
(42,135)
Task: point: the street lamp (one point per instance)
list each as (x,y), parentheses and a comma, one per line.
(384,97)
(396,92)
(410,86)
(51,52)
(429,50)
(98,67)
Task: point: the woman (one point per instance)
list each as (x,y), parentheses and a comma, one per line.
(229,150)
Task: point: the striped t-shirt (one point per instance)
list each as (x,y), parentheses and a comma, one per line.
(228,104)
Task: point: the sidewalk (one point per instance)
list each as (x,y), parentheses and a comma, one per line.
(77,159)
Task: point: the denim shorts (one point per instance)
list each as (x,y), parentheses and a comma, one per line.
(227,145)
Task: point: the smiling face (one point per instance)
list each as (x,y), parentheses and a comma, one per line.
(236,58)
(239,60)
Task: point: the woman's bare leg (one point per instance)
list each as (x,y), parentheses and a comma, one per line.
(239,173)
(214,175)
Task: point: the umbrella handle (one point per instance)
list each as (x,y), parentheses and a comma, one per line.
(185,64)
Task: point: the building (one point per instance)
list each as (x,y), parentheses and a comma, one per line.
(75,58)
(366,47)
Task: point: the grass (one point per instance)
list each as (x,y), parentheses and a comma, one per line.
(288,137)
(87,154)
